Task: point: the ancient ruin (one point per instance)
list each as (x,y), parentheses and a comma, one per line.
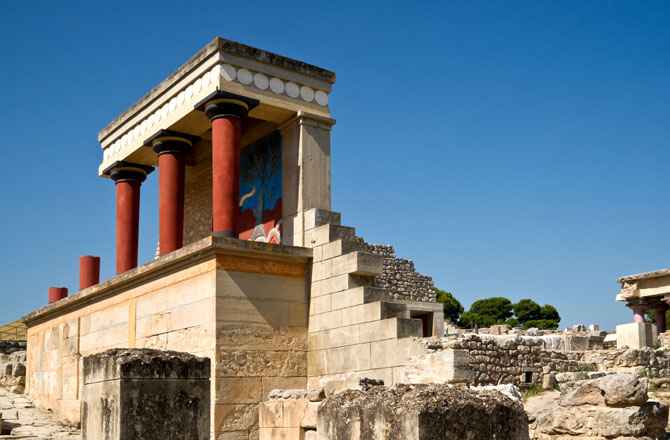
(263,316)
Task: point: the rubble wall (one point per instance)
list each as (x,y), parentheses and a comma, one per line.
(400,278)
(522,360)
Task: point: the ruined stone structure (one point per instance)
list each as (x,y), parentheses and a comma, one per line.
(253,269)
(649,291)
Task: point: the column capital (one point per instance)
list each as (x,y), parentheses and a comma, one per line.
(121,171)
(169,141)
(637,306)
(222,104)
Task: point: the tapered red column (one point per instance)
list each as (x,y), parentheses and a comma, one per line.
(89,271)
(128,178)
(57,293)
(638,312)
(226,111)
(171,148)
(659,315)
(225,175)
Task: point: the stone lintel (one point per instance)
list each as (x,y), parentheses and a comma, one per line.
(207,248)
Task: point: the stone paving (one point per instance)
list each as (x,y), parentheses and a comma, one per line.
(22,420)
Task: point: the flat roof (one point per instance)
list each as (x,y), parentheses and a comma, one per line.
(231,47)
(645,275)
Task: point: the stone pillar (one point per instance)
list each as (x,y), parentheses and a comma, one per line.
(171,147)
(145,394)
(659,315)
(638,312)
(305,171)
(57,293)
(89,271)
(128,178)
(226,111)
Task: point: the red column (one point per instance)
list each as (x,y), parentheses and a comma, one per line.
(57,293)
(638,312)
(171,147)
(171,201)
(225,175)
(127,224)
(659,315)
(226,111)
(128,178)
(89,271)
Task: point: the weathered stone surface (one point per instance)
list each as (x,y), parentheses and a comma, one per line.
(261,363)
(425,412)
(617,390)
(21,419)
(400,278)
(144,394)
(444,366)
(648,420)
(13,371)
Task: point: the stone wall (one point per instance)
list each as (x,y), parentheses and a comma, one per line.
(523,360)
(400,278)
(13,371)
(9,347)
(198,194)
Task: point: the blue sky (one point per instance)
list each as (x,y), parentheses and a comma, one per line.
(514,149)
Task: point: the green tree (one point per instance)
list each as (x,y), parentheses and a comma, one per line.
(550,313)
(495,310)
(452,307)
(512,322)
(542,324)
(527,310)
(471,319)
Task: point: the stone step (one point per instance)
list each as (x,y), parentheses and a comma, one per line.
(324,234)
(374,311)
(341,247)
(357,263)
(358,296)
(318,217)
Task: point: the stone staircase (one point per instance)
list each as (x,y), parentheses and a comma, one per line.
(355,329)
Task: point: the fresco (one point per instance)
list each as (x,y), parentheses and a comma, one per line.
(261,191)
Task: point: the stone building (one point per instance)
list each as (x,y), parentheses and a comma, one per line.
(649,291)
(253,269)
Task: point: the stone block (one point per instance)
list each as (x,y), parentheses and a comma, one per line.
(281,383)
(394,353)
(341,247)
(320,304)
(357,263)
(443,366)
(421,412)
(344,336)
(315,217)
(281,434)
(576,342)
(373,312)
(235,390)
(636,335)
(354,358)
(271,414)
(141,393)
(325,321)
(358,296)
(391,328)
(325,234)
(343,282)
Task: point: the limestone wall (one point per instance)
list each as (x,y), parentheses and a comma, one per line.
(198,194)
(400,278)
(244,311)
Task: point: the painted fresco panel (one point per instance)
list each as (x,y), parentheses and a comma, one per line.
(261,190)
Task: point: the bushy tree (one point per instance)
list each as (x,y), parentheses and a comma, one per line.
(550,313)
(471,319)
(496,309)
(527,310)
(542,324)
(512,322)
(452,307)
